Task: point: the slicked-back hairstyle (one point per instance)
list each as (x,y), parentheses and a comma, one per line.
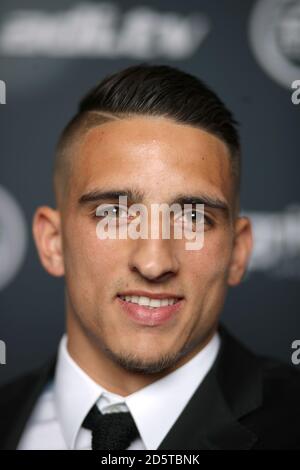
(150,90)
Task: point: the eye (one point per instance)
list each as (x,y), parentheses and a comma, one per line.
(193,218)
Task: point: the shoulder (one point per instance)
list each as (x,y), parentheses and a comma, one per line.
(281,384)
(276,421)
(17,400)
(25,384)
(17,386)
(263,393)
(277,377)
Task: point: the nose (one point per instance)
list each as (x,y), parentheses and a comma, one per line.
(154,259)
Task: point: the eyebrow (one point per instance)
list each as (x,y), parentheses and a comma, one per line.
(138,196)
(97,196)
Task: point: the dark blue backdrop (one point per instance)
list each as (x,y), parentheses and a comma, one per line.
(53,52)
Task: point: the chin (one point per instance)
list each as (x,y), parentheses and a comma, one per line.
(135,362)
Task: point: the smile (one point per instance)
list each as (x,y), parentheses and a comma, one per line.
(149,302)
(150,311)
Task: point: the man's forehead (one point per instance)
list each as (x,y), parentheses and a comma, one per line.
(150,134)
(154,164)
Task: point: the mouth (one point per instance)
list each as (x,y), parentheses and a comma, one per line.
(148,308)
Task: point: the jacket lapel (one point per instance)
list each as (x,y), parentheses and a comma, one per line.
(231,389)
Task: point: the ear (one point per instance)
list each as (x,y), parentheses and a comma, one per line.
(46,229)
(242,248)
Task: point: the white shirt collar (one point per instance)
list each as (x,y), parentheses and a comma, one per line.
(154,408)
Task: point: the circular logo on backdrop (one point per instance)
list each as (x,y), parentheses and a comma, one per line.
(13,237)
(275,38)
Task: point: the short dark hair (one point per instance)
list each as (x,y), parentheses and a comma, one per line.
(155,90)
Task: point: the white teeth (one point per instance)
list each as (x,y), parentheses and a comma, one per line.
(156,303)
(146,301)
(143,300)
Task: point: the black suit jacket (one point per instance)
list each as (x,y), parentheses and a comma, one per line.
(244,402)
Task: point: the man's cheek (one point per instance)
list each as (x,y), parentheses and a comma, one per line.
(211,261)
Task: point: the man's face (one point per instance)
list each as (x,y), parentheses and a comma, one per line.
(161,160)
